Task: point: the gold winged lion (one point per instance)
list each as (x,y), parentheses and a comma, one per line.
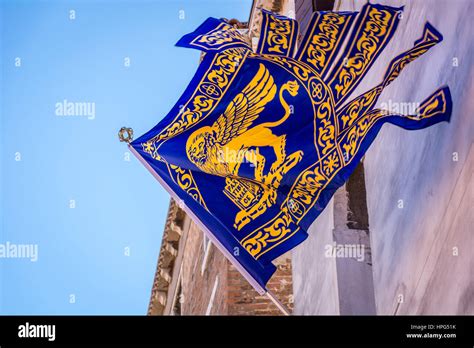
(221,148)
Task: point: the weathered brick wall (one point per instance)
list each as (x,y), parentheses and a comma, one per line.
(234,295)
(244,300)
(196,287)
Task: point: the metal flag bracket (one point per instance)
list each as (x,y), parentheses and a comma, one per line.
(125,134)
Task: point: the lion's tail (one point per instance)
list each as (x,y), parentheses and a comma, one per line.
(285,106)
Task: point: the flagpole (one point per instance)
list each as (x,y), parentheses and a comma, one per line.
(214,240)
(277,303)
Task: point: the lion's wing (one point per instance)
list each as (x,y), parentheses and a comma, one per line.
(245,107)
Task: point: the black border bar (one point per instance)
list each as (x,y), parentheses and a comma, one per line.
(195,330)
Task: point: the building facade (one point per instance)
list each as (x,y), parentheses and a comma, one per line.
(418,190)
(395,238)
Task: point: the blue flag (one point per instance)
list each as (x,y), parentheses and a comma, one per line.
(260,140)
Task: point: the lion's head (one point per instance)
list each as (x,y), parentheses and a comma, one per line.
(199,144)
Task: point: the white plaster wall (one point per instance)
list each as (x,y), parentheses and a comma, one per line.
(413,247)
(314,275)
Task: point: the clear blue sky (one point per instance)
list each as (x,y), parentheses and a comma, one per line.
(118,204)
